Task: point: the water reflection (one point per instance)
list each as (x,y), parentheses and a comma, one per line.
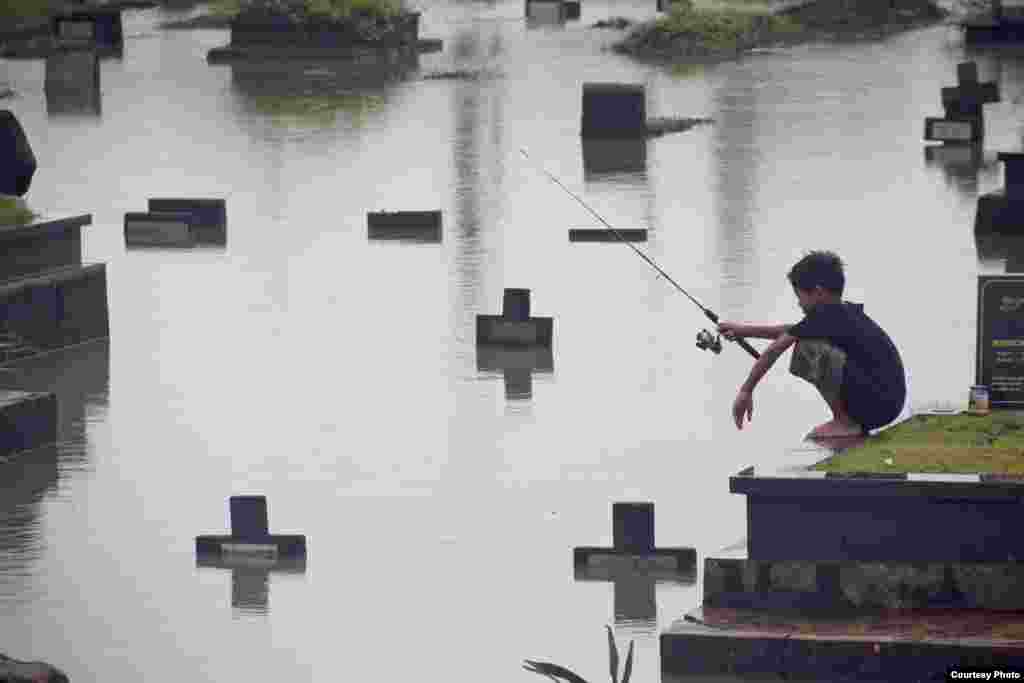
(79,376)
(250,577)
(517,365)
(615,161)
(634,591)
(736,160)
(963,165)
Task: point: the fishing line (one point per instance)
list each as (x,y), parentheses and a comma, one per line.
(704,338)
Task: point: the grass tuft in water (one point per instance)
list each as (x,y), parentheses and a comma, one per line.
(310,9)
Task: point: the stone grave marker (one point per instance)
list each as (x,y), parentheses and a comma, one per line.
(250,533)
(72,82)
(1002,211)
(964,121)
(1000,345)
(514,327)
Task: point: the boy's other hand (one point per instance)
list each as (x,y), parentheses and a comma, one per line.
(729,330)
(743,405)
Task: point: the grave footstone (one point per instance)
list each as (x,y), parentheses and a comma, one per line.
(1002,211)
(158,229)
(17,162)
(546,12)
(72,82)
(514,326)
(206,212)
(98,26)
(613,110)
(1000,344)
(411,226)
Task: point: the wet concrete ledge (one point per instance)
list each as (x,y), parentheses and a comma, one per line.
(27,420)
(906,645)
(735,581)
(43,244)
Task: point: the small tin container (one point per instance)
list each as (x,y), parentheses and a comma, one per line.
(977,401)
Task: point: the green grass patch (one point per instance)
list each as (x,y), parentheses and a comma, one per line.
(14,212)
(964,444)
(719,24)
(26,8)
(313,9)
(317,111)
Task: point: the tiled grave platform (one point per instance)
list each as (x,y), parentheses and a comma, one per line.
(731,579)
(897,645)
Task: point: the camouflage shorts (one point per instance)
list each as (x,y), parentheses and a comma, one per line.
(821,364)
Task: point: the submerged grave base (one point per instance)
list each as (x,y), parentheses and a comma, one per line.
(910,645)
(27,420)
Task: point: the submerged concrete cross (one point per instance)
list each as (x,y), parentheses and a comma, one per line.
(634,565)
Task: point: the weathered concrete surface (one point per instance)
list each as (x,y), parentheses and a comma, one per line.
(14,671)
(743,583)
(904,645)
(41,245)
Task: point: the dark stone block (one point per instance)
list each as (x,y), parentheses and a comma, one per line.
(607,157)
(106,29)
(418,226)
(514,327)
(517,365)
(612,110)
(27,420)
(275,30)
(963,130)
(40,246)
(633,527)
(72,82)
(516,304)
(205,212)
(572,9)
(17,162)
(605,235)
(997,213)
(249,517)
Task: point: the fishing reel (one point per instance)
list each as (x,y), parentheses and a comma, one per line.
(709,342)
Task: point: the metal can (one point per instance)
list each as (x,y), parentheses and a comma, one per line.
(977,402)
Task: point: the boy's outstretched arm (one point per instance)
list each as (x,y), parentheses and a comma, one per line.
(730,330)
(744,403)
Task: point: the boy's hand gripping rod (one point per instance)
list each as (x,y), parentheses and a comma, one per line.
(744,344)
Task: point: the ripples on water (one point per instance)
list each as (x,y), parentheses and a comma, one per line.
(338,376)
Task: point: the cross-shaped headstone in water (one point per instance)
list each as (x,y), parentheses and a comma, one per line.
(634,565)
(250,533)
(968,96)
(514,327)
(250,576)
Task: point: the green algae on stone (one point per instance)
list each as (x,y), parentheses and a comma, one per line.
(954,444)
(14,212)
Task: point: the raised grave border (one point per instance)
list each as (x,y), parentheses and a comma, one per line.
(27,420)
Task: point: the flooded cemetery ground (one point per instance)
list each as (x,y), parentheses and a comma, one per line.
(337,374)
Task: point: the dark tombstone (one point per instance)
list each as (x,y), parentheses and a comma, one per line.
(1002,211)
(572,9)
(207,212)
(17,162)
(606,235)
(72,82)
(411,226)
(514,326)
(613,110)
(964,121)
(1000,344)
(249,533)
(634,565)
(517,366)
(546,12)
(105,32)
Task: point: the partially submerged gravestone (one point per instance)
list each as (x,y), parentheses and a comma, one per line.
(514,327)
(619,110)
(1002,211)
(250,534)
(167,229)
(72,83)
(27,420)
(964,120)
(412,226)
(606,235)
(1000,343)
(96,26)
(17,162)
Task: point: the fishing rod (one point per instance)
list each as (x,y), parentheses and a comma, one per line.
(705,338)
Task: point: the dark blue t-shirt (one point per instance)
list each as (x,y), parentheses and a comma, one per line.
(874,385)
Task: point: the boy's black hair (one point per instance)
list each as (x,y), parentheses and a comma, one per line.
(818,268)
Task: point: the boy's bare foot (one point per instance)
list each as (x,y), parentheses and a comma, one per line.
(836,428)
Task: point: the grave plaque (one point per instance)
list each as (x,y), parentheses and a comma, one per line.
(1000,351)
(943,130)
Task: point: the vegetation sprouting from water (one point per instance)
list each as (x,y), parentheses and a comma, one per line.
(310,9)
(13,211)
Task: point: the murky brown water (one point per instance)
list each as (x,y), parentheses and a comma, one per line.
(338,376)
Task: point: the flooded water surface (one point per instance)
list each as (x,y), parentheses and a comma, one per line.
(339,375)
